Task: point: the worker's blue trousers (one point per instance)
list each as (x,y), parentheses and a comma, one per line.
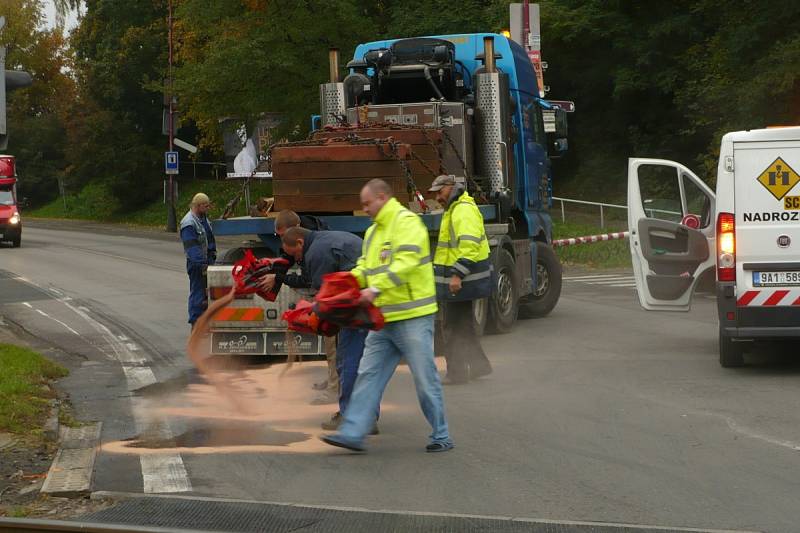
(349,350)
(198,299)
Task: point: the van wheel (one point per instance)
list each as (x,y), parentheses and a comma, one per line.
(548,284)
(16,243)
(731,354)
(504,300)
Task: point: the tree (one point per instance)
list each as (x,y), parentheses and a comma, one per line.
(114,133)
(37,112)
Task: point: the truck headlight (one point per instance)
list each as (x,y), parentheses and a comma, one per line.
(14,219)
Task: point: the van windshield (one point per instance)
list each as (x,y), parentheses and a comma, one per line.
(6,198)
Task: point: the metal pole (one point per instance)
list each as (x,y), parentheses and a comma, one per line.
(563,216)
(172,222)
(602,223)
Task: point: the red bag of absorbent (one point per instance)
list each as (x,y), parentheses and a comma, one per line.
(248,272)
(338,302)
(303,319)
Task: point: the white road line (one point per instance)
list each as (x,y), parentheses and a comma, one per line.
(599,276)
(26,304)
(609,282)
(59,321)
(139,376)
(630,285)
(164,473)
(161,473)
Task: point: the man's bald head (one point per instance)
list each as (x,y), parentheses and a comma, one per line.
(378,186)
(374,196)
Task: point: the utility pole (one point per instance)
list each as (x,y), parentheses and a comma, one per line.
(172,223)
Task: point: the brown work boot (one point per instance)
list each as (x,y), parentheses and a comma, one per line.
(333,423)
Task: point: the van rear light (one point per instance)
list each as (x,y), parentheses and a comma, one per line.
(726,247)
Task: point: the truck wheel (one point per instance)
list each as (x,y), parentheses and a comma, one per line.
(548,284)
(504,301)
(731,354)
(480,315)
(236,254)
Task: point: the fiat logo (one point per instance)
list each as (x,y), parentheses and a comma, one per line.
(784,241)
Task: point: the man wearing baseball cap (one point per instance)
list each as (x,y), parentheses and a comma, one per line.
(201,251)
(463,273)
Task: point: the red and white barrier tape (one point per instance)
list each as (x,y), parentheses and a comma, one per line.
(591,238)
(770,298)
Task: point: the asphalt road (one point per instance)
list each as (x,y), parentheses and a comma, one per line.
(599,412)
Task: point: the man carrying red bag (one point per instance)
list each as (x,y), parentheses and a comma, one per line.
(321,253)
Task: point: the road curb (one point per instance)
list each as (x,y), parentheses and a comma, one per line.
(72,470)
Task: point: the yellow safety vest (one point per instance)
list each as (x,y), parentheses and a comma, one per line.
(463,250)
(396,260)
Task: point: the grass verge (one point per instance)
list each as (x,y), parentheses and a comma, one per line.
(23,394)
(608,254)
(97,204)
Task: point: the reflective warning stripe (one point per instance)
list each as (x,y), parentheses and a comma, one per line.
(769,298)
(240,314)
(408,305)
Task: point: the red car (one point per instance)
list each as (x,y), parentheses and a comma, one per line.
(10,221)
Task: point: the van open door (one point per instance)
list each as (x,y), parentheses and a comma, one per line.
(672,232)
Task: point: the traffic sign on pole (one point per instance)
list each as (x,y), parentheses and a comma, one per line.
(171,162)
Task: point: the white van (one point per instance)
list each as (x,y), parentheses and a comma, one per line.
(749,232)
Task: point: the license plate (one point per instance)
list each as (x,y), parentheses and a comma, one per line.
(776,279)
(305,343)
(237,343)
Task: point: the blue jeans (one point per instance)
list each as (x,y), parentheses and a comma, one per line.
(349,351)
(198,299)
(412,339)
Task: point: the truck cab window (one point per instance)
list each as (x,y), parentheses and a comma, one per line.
(6,198)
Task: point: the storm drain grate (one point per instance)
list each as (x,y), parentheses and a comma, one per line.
(237,517)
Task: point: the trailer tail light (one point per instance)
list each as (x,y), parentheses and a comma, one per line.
(726,247)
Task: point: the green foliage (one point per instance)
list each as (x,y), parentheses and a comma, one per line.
(35,114)
(114,132)
(23,401)
(96,202)
(650,79)
(607,254)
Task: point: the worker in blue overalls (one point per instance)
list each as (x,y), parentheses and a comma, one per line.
(201,251)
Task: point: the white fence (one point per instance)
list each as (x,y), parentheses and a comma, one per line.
(604,207)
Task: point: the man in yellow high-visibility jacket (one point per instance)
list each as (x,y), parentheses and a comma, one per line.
(396,274)
(463,273)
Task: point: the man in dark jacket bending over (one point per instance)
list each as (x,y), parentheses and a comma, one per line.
(325,252)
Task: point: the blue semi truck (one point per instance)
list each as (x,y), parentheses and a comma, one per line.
(481,89)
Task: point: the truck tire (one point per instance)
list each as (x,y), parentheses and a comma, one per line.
(504,301)
(235,254)
(731,354)
(480,315)
(548,284)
